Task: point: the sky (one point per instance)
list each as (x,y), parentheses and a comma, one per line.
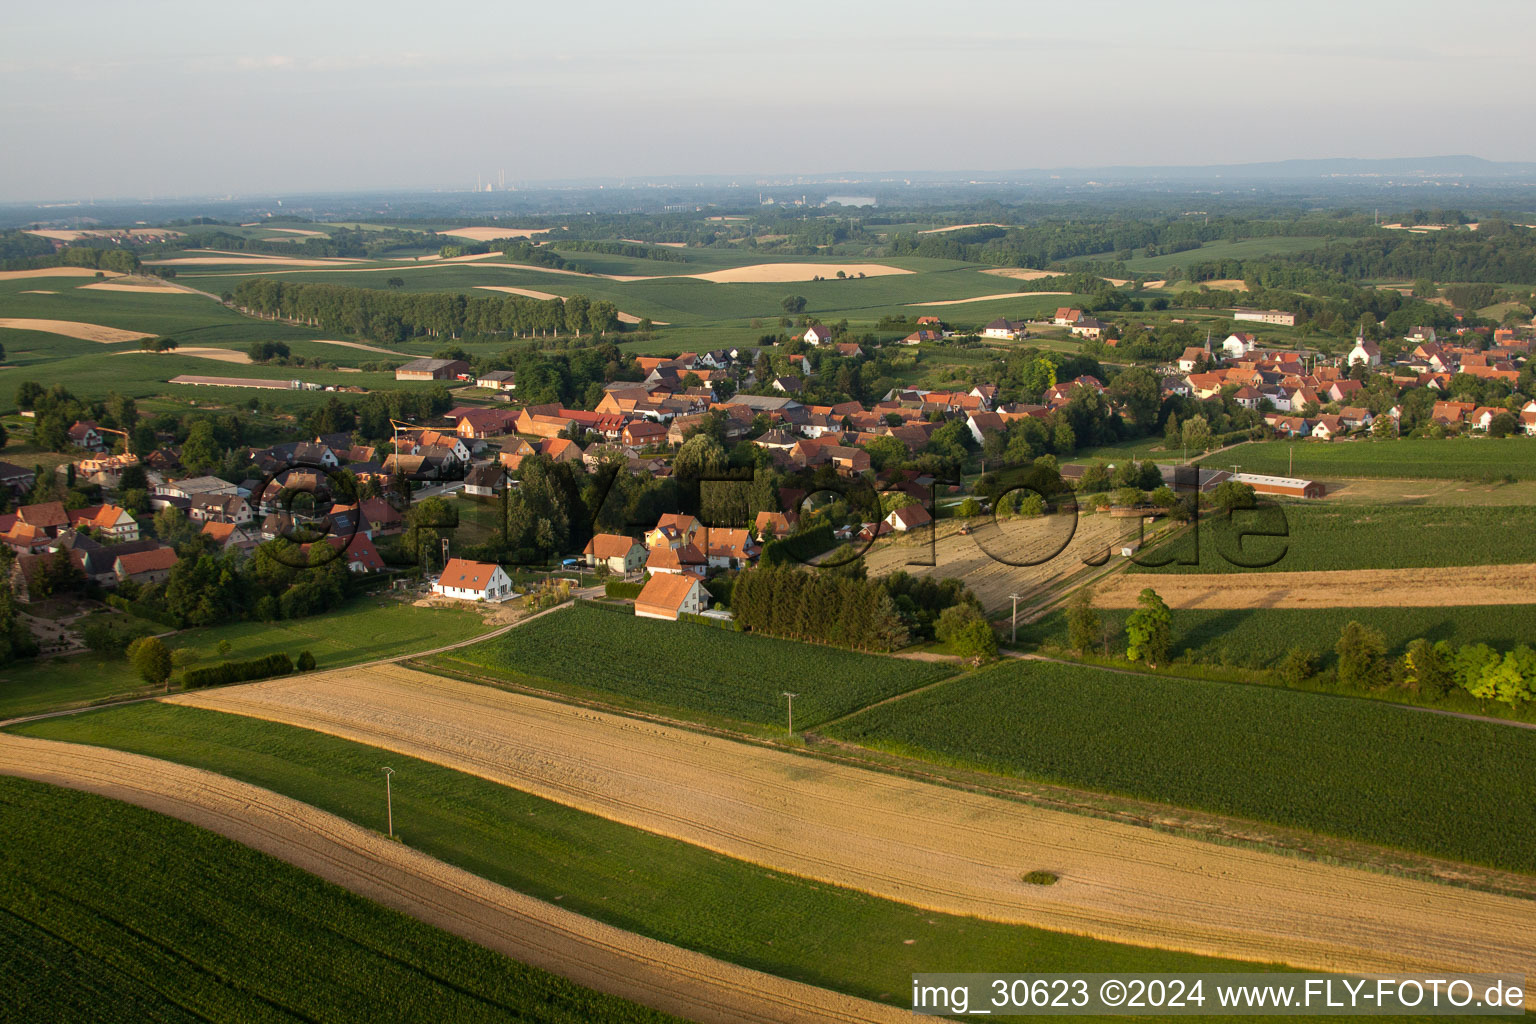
(152,98)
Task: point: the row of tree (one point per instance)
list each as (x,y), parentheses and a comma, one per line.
(819,607)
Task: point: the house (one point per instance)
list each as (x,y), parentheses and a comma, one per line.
(639,433)
(559,449)
(1247,397)
(728,549)
(19,480)
(850,350)
(1482,416)
(1422,335)
(1326,428)
(187,487)
(1088,327)
(1239,344)
(1355,416)
(1451,414)
(113,522)
(1066,316)
(152,566)
(357,551)
(219,508)
(1366,352)
(672,530)
(1340,390)
(1192,357)
(908,517)
(431,369)
(1265,316)
(485,480)
(473,581)
(228,536)
(382,517)
(667,596)
(816,334)
(686,559)
(616,553)
(918,337)
(497,380)
(83,434)
(787,385)
(1004,329)
(782,524)
(48,517)
(983,423)
(482,423)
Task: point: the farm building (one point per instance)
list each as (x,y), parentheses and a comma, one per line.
(666,596)
(617,553)
(1265,316)
(266,383)
(497,380)
(473,581)
(1291,487)
(431,369)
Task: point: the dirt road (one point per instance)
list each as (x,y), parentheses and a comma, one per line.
(929,846)
(597,955)
(1353,588)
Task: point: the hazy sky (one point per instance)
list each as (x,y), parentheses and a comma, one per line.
(158,98)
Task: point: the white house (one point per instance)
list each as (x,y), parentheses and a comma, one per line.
(1367,352)
(473,581)
(668,595)
(618,553)
(1003,329)
(1239,344)
(816,334)
(909,517)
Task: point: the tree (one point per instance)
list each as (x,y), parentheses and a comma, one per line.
(1197,433)
(1231,494)
(794,304)
(151,659)
(1427,668)
(201,453)
(970,508)
(1503,425)
(306,662)
(966,632)
(1383,427)
(1149,629)
(1297,666)
(1362,655)
(1136,389)
(1082,621)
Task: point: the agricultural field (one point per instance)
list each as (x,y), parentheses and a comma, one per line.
(217,931)
(1479,458)
(364,629)
(689,668)
(1247,248)
(1324,536)
(1260,637)
(637,880)
(1358,769)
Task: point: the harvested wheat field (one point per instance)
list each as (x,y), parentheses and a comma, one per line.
(1344,588)
(299,231)
(1226,284)
(153,286)
(1159,283)
(491,234)
(243,261)
(222,355)
(959,227)
(780,273)
(929,846)
(1017,540)
(27,275)
(73,329)
(984,298)
(358,345)
(597,955)
(1020,273)
(43,291)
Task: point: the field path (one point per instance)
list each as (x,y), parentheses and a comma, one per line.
(1332,588)
(597,955)
(925,845)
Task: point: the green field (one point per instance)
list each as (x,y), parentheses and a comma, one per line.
(691,669)
(1469,458)
(1358,769)
(1248,248)
(1344,536)
(669,890)
(364,629)
(109,912)
(1260,637)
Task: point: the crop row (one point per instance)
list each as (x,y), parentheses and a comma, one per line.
(109,913)
(1358,769)
(698,669)
(1341,536)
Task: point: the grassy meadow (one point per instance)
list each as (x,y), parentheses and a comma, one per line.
(690,669)
(109,912)
(1357,769)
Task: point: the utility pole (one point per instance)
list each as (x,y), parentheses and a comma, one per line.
(791,697)
(1014,622)
(389,800)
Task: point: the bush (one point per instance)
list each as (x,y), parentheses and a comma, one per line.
(306,662)
(237,671)
(151,659)
(1298,666)
(798,547)
(620,589)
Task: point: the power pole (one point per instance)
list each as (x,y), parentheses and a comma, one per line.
(791,697)
(389,800)
(1014,622)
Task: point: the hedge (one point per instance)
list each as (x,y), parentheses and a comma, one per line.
(798,547)
(622,609)
(237,671)
(618,588)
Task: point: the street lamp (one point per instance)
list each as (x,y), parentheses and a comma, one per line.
(1014,622)
(791,697)
(389,800)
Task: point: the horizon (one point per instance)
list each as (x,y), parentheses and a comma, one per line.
(169,99)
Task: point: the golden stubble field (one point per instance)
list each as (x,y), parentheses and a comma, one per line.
(929,846)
